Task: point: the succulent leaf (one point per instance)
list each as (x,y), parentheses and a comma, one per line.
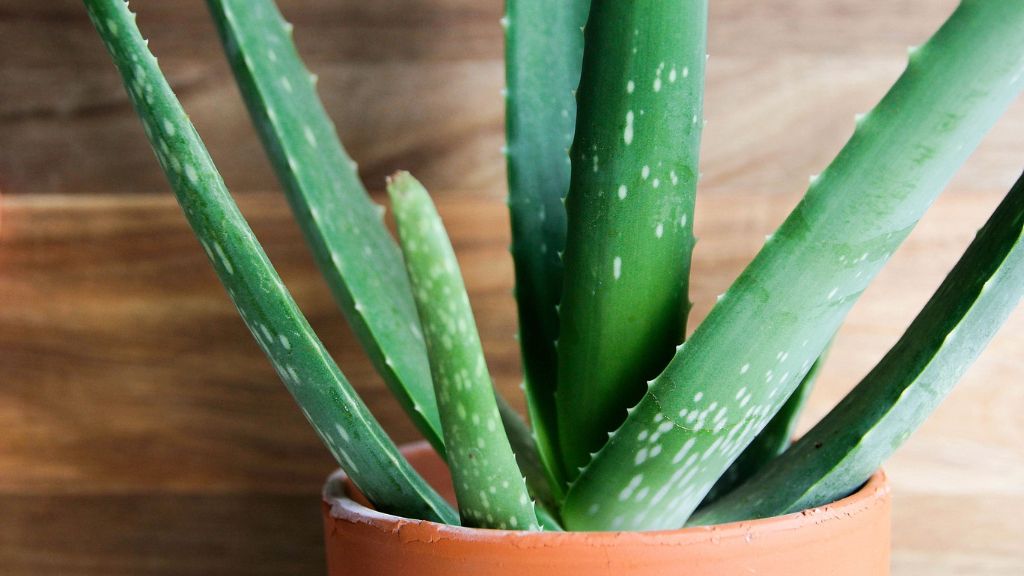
(866,427)
(630,212)
(773,439)
(543,55)
(342,225)
(327,399)
(488,484)
(759,341)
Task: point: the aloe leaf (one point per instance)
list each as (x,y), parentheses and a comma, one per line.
(321,390)
(342,225)
(757,343)
(630,212)
(895,398)
(773,439)
(489,487)
(543,55)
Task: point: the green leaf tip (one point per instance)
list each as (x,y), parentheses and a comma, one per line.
(488,484)
(327,399)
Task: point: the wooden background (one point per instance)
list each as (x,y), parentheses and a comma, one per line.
(141,431)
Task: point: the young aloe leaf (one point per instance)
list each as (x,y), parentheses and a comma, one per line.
(328,401)
(630,212)
(852,441)
(773,440)
(543,55)
(489,487)
(757,343)
(342,225)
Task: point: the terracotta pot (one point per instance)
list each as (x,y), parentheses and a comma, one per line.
(848,538)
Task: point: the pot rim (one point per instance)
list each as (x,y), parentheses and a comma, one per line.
(342,507)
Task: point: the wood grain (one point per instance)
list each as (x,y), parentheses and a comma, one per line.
(127,374)
(161,535)
(415,84)
(142,432)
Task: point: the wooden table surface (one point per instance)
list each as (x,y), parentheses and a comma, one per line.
(143,433)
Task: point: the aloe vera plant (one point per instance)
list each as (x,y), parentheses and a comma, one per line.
(631,427)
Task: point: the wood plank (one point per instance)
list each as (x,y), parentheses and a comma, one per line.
(941,535)
(161,535)
(415,85)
